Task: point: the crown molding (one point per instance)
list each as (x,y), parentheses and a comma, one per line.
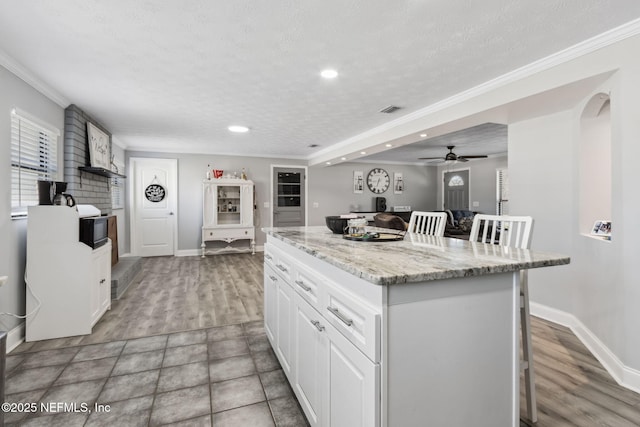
(22,73)
(585,47)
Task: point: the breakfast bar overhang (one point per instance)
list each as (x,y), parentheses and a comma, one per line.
(423,331)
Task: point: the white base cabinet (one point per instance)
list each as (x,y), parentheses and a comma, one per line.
(334,381)
(432,353)
(68,282)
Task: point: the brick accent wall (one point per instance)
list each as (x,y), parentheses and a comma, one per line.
(86,188)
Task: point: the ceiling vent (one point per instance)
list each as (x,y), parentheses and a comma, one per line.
(389,109)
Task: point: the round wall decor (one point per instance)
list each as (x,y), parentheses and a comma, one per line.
(155,193)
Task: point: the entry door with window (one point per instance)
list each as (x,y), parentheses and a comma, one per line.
(289,197)
(456,190)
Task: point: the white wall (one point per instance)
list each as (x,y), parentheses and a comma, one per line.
(330,187)
(16,93)
(601,285)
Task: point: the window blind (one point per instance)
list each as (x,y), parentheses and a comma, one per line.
(34,156)
(502,191)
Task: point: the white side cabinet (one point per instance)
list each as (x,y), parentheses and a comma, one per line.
(227,213)
(68,282)
(336,383)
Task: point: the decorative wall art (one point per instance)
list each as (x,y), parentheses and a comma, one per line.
(155,192)
(358,182)
(602,228)
(99,147)
(398,183)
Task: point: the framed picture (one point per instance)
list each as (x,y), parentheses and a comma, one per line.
(398,183)
(358,182)
(601,228)
(99,147)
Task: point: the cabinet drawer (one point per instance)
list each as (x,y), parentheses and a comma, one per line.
(355,319)
(281,263)
(310,286)
(227,233)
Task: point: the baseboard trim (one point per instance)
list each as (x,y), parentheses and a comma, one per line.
(15,337)
(625,376)
(198,252)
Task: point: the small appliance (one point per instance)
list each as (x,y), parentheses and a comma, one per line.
(380,204)
(53,193)
(93,227)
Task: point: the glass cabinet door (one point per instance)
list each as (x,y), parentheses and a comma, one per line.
(228,206)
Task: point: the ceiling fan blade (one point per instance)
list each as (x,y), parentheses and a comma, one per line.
(430,158)
(473,157)
(462,159)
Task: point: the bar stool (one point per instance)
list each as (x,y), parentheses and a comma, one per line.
(431,223)
(513,231)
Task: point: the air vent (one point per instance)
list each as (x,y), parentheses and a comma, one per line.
(389,109)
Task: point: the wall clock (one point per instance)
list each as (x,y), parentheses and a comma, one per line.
(378,180)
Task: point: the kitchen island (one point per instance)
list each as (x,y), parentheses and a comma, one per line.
(418,332)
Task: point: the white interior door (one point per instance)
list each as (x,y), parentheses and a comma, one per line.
(154,201)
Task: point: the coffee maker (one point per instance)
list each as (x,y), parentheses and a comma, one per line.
(53,193)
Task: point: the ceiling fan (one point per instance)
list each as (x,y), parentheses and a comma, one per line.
(452,157)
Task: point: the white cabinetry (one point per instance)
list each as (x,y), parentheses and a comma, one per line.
(336,383)
(227,213)
(68,282)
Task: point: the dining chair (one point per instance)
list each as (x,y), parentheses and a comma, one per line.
(431,223)
(513,231)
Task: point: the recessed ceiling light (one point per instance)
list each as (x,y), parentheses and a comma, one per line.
(422,135)
(363,152)
(329,74)
(328,163)
(344,158)
(388,145)
(238,129)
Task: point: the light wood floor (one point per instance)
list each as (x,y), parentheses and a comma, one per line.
(177,294)
(174,294)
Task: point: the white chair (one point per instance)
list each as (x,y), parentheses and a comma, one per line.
(513,231)
(431,223)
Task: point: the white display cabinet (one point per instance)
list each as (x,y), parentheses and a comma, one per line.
(227,214)
(68,282)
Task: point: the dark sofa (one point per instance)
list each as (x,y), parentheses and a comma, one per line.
(459,223)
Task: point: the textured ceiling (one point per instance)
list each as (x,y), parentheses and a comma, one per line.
(485,139)
(172,75)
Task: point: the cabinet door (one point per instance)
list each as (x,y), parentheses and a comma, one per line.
(94,292)
(270,303)
(284,326)
(246,205)
(209,206)
(105,281)
(354,385)
(310,356)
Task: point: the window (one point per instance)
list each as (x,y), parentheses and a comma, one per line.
(34,156)
(502,191)
(456,181)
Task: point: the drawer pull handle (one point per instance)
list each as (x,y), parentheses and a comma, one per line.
(303,286)
(269,257)
(273,278)
(317,325)
(340,316)
(282,267)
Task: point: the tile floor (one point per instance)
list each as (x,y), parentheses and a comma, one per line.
(223,376)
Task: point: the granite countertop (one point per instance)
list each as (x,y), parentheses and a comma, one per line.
(417,258)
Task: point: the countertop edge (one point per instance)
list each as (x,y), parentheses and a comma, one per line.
(411,278)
